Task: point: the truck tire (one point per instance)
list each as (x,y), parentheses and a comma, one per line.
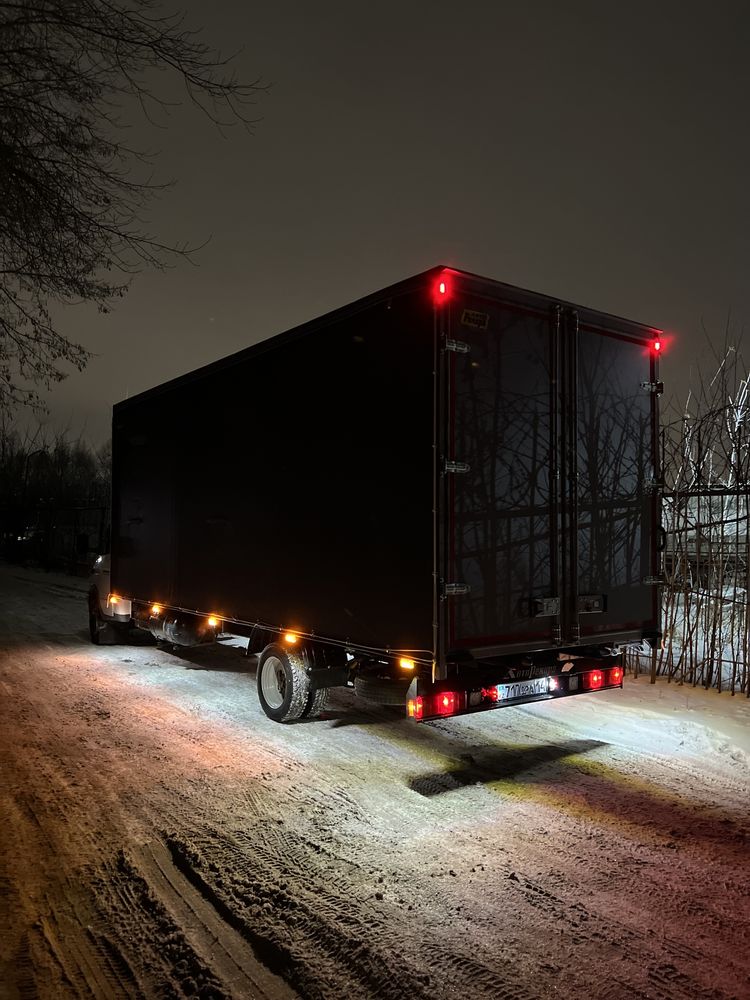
(283,685)
(316,702)
(382,690)
(101,632)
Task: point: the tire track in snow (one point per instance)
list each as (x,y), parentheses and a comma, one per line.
(310,906)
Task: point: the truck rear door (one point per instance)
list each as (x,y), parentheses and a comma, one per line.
(546,478)
(614,410)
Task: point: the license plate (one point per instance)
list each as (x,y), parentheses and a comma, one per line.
(522,689)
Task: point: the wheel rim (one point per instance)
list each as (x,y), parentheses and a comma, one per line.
(273,682)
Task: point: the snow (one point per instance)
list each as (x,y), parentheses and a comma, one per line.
(161,837)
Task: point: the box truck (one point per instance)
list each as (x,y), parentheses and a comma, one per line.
(445,495)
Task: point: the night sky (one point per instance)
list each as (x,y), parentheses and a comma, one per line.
(597,152)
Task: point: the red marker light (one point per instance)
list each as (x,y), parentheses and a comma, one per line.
(656,346)
(442,291)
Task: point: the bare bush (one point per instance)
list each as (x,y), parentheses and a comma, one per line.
(706,463)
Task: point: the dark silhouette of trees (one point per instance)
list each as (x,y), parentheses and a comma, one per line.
(54,499)
(72,189)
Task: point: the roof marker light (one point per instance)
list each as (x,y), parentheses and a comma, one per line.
(441,292)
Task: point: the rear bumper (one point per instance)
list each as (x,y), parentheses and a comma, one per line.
(444,699)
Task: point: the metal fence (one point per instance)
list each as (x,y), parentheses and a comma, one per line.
(705,458)
(704,597)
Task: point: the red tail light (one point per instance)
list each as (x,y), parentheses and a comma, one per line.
(593,680)
(446,703)
(430,706)
(449,702)
(615,675)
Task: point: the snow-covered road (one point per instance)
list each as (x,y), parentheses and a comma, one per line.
(162,838)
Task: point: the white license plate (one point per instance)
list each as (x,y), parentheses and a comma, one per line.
(522,689)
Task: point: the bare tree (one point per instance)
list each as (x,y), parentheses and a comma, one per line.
(72,189)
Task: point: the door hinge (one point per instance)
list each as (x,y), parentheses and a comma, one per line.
(546,607)
(455,589)
(457,346)
(460,468)
(655,387)
(652,581)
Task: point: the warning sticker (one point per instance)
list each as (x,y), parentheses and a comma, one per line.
(476,320)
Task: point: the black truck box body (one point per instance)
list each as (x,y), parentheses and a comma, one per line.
(450,465)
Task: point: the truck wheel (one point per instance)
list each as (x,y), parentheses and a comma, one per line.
(101,632)
(382,690)
(105,633)
(283,685)
(316,702)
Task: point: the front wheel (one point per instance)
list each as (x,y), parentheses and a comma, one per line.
(283,685)
(102,632)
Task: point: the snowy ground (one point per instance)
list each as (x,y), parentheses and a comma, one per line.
(162,838)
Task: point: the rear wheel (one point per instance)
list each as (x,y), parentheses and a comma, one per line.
(382,690)
(316,702)
(283,685)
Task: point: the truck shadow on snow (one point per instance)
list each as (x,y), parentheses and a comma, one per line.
(498,763)
(559,775)
(219,657)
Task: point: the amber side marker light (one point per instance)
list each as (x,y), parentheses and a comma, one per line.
(290,637)
(213,621)
(155,609)
(113,599)
(406,664)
